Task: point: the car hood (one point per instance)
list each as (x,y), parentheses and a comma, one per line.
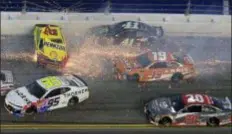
(160,106)
(20,97)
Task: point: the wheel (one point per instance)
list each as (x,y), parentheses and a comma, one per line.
(134,77)
(166,122)
(177,78)
(72,102)
(213,122)
(191,80)
(31,111)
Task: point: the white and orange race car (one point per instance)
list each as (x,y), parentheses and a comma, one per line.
(155,66)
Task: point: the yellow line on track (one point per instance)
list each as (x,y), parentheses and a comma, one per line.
(83,126)
(74,126)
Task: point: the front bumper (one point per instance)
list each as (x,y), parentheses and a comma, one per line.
(13,110)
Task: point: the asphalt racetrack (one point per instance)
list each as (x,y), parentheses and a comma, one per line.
(116,102)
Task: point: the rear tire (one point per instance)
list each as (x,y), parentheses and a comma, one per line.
(134,77)
(177,78)
(72,102)
(213,122)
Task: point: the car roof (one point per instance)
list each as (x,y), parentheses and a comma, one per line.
(52,82)
(196,98)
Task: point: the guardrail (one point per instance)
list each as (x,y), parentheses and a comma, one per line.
(157,6)
(76,23)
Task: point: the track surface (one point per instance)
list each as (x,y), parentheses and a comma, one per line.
(128,131)
(112,101)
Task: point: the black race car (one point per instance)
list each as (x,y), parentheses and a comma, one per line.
(127,33)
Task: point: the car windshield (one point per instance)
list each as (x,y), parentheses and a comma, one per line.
(2,77)
(36,90)
(177,102)
(143,60)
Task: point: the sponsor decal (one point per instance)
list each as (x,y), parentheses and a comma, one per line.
(23,97)
(53,45)
(75,93)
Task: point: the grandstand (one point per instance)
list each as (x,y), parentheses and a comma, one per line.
(117,6)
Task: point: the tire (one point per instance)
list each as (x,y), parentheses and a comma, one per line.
(191,80)
(134,77)
(213,122)
(177,78)
(72,102)
(31,111)
(166,122)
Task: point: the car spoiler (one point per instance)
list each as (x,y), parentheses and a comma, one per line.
(80,79)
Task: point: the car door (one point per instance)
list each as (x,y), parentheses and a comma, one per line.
(209,111)
(157,70)
(190,115)
(54,99)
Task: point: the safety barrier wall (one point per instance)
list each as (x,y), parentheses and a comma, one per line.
(76,23)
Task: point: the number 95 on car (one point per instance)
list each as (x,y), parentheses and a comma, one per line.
(37,97)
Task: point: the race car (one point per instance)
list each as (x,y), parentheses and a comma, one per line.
(155,66)
(189,110)
(7,81)
(46,94)
(50,45)
(127,33)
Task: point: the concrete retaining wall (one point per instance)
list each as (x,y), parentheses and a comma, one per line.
(76,23)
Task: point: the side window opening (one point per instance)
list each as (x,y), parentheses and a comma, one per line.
(2,77)
(53,93)
(193,109)
(64,90)
(208,109)
(41,44)
(173,65)
(159,65)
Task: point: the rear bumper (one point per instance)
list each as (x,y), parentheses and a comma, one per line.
(42,60)
(4,91)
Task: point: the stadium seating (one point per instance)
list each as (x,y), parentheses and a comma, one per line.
(129,6)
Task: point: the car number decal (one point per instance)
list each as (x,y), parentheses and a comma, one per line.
(53,102)
(191,119)
(50,82)
(161,56)
(131,25)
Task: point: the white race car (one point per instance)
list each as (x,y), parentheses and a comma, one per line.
(6,78)
(47,94)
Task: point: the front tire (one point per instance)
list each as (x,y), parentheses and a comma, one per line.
(31,111)
(166,122)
